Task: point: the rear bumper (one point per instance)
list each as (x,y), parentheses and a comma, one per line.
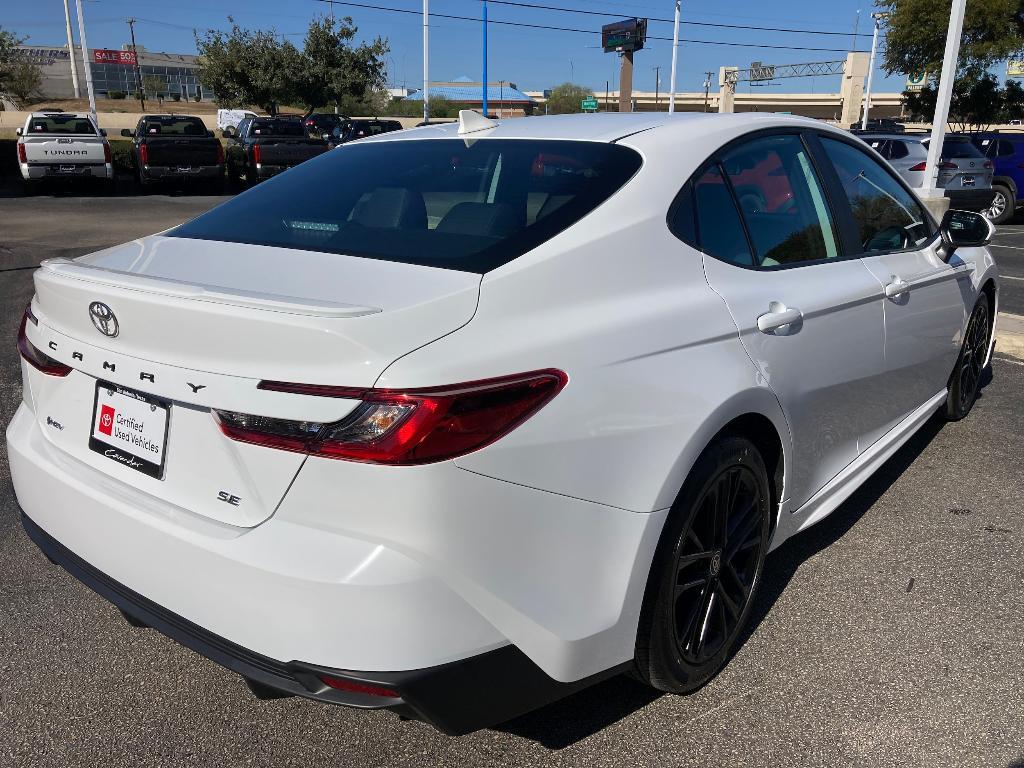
(157,172)
(970,199)
(40,172)
(456,698)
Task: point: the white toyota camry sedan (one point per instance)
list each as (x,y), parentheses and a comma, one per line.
(456,421)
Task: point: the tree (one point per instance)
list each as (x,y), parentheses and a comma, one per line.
(154,86)
(22,79)
(333,70)
(978,101)
(916,34)
(567,98)
(245,67)
(9,59)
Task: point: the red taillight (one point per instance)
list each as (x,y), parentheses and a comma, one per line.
(22,154)
(107,156)
(941,166)
(143,154)
(402,427)
(220,153)
(33,356)
(353,686)
(256,153)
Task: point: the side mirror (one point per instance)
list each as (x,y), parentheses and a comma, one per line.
(17,131)
(964,229)
(126,132)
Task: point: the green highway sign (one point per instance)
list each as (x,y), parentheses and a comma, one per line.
(589,105)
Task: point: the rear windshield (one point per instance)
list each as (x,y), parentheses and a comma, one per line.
(173,126)
(435,202)
(269,127)
(61,124)
(952,148)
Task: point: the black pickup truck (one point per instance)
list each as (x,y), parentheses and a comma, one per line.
(176,147)
(262,147)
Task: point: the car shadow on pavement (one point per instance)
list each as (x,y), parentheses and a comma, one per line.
(572,719)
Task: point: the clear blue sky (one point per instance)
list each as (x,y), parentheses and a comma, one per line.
(532,58)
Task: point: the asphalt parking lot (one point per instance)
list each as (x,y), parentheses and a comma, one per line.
(892,634)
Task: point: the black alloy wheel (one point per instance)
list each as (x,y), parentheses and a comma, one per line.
(966,379)
(707,569)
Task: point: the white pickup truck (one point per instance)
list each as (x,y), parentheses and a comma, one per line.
(57,145)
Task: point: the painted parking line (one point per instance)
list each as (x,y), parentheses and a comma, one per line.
(1010,277)
(1011,247)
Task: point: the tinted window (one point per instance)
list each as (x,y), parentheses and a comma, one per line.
(719,229)
(434,202)
(61,124)
(173,126)
(263,126)
(887,216)
(781,201)
(897,150)
(957,147)
(881,146)
(1006,149)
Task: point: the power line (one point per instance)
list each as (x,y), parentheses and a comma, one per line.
(536,6)
(370,6)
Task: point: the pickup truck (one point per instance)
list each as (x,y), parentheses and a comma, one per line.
(176,147)
(63,146)
(264,146)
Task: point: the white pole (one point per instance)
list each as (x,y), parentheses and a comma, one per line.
(71,51)
(675,58)
(85,61)
(426,60)
(871,70)
(945,94)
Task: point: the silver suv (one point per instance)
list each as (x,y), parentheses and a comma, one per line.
(964,173)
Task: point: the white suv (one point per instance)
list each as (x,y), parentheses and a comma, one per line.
(458,420)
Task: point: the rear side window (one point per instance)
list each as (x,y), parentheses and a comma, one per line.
(1006,149)
(61,124)
(888,217)
(719,229)
(781,201)
(435,202)
(897,150)
(262,126)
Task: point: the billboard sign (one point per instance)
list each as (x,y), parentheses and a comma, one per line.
(916,81)
(108,56)
(626,35)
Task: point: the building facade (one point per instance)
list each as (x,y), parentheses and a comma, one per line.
(178,73)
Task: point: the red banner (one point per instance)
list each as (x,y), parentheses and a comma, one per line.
(107,56)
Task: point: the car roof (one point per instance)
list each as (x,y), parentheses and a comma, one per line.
(49,113)
(901,136)
(601,127)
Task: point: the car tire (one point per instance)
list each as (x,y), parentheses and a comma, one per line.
(706,570)
(1003,206)
(965,381)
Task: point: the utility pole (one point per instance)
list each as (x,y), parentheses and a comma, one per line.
(707,88)
(871,69)
(426,60)
(607,98)
(85,61)
(675,59)
(942,98)
(657,86)
(626,82)
(484,99)
(138,70)
(71,52)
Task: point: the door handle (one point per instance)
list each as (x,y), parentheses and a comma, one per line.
(778,316)
(896,288)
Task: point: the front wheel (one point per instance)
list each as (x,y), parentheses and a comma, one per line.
(965,381)
(706,570)
(1003,205)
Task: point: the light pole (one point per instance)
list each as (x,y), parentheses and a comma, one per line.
(71,52)
(675,58)
(426,60)
(484,99)
(871,68)
(657,86)
(942,99)
(85,61)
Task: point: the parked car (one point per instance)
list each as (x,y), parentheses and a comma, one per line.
(60,146)
(230,118)
(964,174)
(265,146)
(319,123)
(360,129)
(1006,151)
(458,421)
(176,147)
(885,125)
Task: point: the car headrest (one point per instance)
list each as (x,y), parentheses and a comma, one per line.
(392,208)
(481,219)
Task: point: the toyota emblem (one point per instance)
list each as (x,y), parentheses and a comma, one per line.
(103,318)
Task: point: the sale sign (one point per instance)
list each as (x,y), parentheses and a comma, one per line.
(108,56)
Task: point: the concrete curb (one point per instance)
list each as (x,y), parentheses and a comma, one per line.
(1010,334)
